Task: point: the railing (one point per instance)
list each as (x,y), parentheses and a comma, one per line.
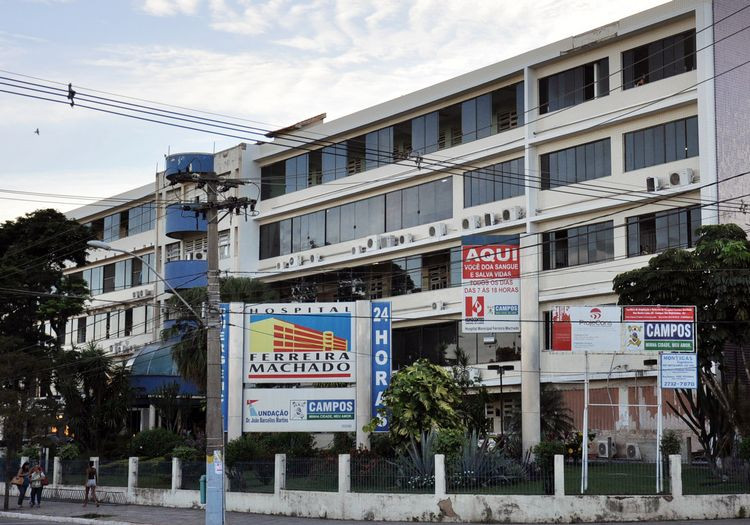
(497,476)
(386,475)
(733,477)
(73,471)
(113,473)
(616,477)
(320,474)
(191,474)
(251,476)
(155,474)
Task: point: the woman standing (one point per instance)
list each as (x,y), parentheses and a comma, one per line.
(91,478)
(24,473)
(37,484)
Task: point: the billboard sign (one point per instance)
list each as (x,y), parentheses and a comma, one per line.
(679,370)
(381,357)
(658,328)
(491,280)
(299,410)
(586,328)
(300,343)
(224,338)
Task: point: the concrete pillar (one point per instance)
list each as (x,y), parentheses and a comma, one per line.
(151,416)
(364,371)
(57,471)
(530,340)
(675,474)
(439,475)
(235,369)
(132,477)
(279,473)
(345,473)
(176,473)
(559,475)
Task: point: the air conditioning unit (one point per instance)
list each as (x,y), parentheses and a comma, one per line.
(119,348)
(138,294)
(681,177)
(405,238)
(471,223)
(475,375)
(372,243)
(316,258)
(438,305)
(280,265)
(513,213)
(653,184)
(388,241)
(294,261)
(148,293)
(490,219)
(604,448)
(632,451)
(196,256)
(358,249)
(438,230)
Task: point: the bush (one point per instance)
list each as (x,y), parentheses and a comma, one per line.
(69,451)
(744,449)
(545,452)
(343,443)
(670,444)
(114,447)
(450,442)
(30,451)
(154,443)
(186,453)
(382,445)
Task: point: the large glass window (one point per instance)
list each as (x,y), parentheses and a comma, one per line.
(81,330)
(141,218)
(434,342)
(334,162)
(574,86)
(661,144)
(660,59)
(655,232)
(576,164)
(111,228)
(494,183)
(296,173)
(574,246)
(379,148)
(272,180)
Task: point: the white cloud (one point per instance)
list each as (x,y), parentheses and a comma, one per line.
(169,7)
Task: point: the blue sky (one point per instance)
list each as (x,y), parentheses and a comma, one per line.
(271,61)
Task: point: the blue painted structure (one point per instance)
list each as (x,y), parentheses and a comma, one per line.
(181,223)
(186,274)
(188,163)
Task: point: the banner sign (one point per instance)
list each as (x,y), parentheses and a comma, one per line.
(301,343)
(224,338)
(299,410)
(586,328)
(381,357)
(658,328)
(491,279)
(679,371)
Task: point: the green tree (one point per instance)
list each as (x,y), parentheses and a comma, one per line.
(189,352)
(420,398)
(96,394)
(474,396)
(36,301)
(715,277)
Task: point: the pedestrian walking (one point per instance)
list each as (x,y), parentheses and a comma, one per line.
(36,479)
(22,481)
(91,478)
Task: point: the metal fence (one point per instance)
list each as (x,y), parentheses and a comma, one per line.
(497,475)
(113,473)
(191,474)
(733,477)
(73,471)
(251,476)
(155,474)
(387,475)
(320,474)
(617,477)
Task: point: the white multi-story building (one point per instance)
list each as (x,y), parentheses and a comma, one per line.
(595,152)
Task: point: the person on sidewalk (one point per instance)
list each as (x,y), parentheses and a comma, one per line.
(91,477)
(36,478)
(24,473)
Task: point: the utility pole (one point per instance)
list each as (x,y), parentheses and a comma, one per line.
(184,171)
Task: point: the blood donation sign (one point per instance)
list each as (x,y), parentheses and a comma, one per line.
(491,279)
(658,328)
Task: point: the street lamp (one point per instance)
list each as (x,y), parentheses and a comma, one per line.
(104,246)
(501,369)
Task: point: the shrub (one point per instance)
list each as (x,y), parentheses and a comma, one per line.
(69,451)
(245,448)
(186,453)
(545,452)
(30,451)
(154,443)
(343,443)
(744,449)
(670,444)
(450,442)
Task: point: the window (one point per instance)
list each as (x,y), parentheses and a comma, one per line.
(574,86)
(655,232)
(582,245)
(272,180)
(108,283)
(661,144)
(433,342)
(224,245)
(295,173)
(141,218)
(576,164)
(111,228)
(658,60)
(128,328)
(334,162)
(81,330)
(172,252)
(379,148)
(494,183)
(422,204)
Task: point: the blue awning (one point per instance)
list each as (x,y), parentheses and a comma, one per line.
(153,367)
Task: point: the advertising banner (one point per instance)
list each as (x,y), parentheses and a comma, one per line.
(300,343)
(299,410)
(679,371)
(224,338)
(586,328)
(381,357)
(491,280)
(658,328)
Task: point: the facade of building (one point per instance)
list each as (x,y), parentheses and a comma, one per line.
(593,153)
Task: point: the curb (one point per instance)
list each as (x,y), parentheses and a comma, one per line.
(62,519)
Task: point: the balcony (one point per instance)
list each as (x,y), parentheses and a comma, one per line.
(182,275)
(181,224)
(184,163)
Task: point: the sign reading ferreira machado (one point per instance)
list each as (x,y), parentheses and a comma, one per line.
(299,410)
(300,343)
(491,280)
